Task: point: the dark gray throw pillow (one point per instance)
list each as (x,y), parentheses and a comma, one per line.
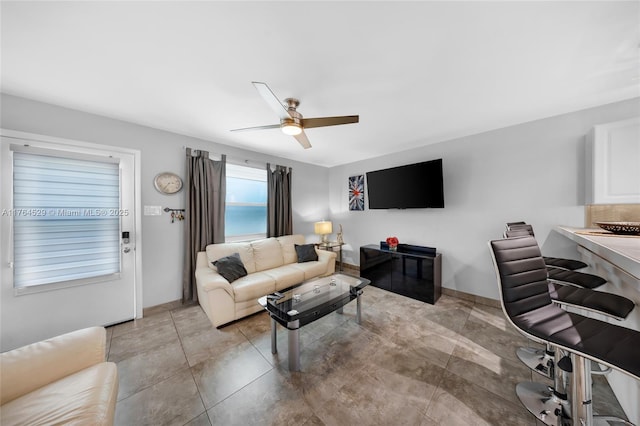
(230,267)
(306,253)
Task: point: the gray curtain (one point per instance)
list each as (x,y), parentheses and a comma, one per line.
(204,220)
(279,216)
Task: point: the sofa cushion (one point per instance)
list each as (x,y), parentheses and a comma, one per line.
(306,253)
(216,251)
(267,254)
(311,269)
(253,286)
(87,397)
(287,242)
(231,267)
(286,276)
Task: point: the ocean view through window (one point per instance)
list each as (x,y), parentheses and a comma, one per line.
(246,203)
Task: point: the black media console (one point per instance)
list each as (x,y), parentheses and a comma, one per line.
(412,271)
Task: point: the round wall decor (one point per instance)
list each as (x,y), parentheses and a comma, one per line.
(167,183)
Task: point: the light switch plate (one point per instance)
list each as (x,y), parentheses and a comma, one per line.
(152,210)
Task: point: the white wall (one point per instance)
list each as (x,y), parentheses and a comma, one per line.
(162,242)
(532,172)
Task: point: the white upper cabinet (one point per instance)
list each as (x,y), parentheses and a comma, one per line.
(613,163)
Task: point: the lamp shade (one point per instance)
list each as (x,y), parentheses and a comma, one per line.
(323,227)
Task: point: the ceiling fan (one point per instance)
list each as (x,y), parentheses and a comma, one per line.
(291,121)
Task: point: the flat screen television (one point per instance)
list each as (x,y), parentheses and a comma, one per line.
(413,186)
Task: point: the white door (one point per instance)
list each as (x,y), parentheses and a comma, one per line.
(66,262)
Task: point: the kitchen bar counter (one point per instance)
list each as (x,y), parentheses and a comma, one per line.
(621,251)
(617,259)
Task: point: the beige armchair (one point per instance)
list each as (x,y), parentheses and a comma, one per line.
(62,380)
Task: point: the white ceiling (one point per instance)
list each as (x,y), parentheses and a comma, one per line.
(415,72)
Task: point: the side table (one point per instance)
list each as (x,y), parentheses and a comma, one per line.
(332,246)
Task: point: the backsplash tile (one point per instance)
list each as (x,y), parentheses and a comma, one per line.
(610,213)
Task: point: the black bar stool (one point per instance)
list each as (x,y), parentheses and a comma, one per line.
(575,278)
(517,229)
(569,289)
(559,269)
(611,305)
(527,304)
(567,296)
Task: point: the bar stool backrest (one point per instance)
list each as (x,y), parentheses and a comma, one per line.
(510,224)
(520,227)
(516,232)
(523,275)
(526,301)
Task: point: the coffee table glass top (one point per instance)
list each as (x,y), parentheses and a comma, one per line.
(314,294)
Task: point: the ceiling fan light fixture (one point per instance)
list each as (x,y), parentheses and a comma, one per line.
(291,129)
(291,121)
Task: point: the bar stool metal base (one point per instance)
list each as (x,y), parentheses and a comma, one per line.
(538,360)
(540,400)
(610,421)
(541,362)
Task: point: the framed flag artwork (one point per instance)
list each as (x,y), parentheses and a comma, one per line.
(356,192)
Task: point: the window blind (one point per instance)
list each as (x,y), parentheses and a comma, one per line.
(66,219)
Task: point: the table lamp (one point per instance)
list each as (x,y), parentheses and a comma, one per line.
(323,228)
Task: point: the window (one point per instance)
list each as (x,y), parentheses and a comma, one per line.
(66,218)
(246,203)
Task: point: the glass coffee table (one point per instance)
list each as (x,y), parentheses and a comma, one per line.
(307,302)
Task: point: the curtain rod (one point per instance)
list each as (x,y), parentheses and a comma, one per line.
(237,161)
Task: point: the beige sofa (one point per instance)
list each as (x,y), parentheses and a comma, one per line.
(62,380)
(271,264)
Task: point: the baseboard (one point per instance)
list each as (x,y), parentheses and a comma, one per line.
(164,307)
(348,268)
(471,297)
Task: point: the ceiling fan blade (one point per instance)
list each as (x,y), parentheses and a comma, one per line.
(302,138)
(268,126)
(308,123)
(272,100)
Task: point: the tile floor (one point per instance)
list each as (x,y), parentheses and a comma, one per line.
(408,363)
